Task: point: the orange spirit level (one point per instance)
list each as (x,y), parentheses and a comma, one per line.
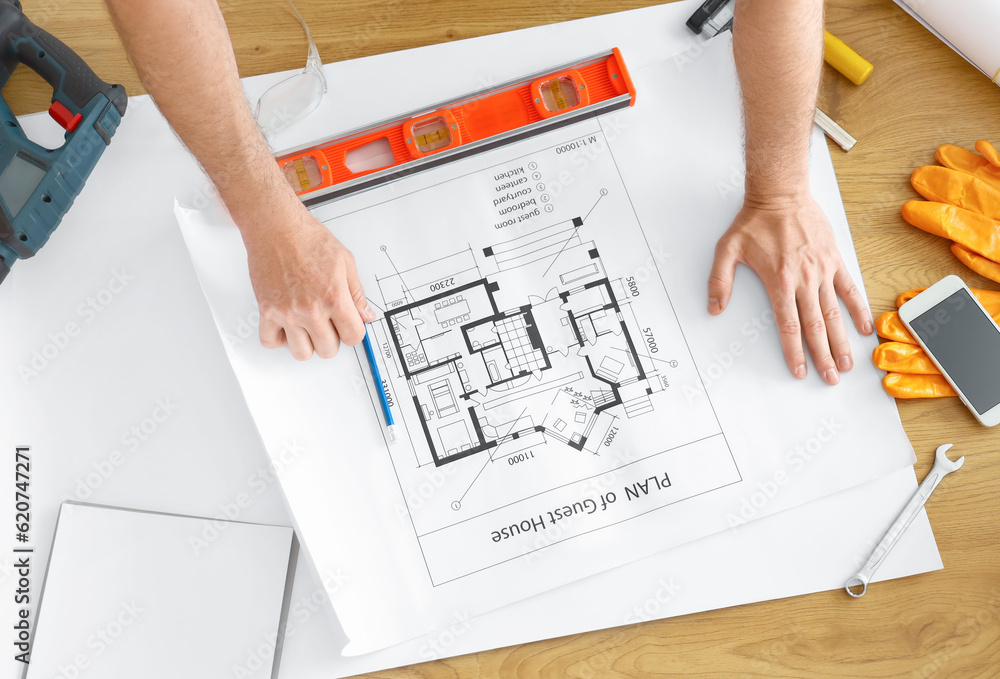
(366,158)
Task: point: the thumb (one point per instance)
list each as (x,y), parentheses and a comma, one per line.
(720,281)
(358,295)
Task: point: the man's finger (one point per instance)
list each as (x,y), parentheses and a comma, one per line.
(324,338)
(786,318)
(720,281)
(299,344)
(272,335)
(836,334)
(855,301)
(347,320)
(358,295)
(815,331)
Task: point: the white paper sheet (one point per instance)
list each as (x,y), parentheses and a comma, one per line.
(523,289)
(150,357)
(967,26)
(120,583)
(815,547)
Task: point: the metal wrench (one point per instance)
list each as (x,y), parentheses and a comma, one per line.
(942,467)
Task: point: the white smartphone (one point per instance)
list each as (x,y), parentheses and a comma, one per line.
(962,340)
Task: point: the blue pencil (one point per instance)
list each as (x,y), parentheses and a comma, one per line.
(390,425)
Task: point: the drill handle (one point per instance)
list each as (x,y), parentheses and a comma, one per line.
(73,83)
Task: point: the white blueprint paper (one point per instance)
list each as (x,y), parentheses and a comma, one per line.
(568,404)
(817,546)
(967,26)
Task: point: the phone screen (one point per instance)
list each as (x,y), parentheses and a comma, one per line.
(966,344)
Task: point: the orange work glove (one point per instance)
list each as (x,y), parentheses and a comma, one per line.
(901,385)
(971,229)
(902,357)
(986,166)
(981,265)
(990,299)
(963,204)
(890,326)
(912,374)
(964,190)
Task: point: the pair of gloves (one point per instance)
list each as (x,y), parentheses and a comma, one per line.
(963,205)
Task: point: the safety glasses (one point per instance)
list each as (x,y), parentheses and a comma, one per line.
(292,99)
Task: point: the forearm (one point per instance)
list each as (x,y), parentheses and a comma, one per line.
(184,57)
(778,45)
(305,280)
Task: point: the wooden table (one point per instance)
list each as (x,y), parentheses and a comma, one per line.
(944,624)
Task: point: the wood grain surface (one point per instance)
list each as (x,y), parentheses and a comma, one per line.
(921,94)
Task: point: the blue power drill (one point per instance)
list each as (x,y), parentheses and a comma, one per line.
(38,185)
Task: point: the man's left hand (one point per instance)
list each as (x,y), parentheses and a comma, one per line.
(788,242)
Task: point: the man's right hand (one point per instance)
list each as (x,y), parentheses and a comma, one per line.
(307,286)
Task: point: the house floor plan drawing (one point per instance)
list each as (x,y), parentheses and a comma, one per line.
(531,356)
(567,354)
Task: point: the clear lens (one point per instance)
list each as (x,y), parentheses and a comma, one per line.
(292,99)
(289,101)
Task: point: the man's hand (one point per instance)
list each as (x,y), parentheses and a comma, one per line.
(789,244)
(305,280)
(781,233)
(306,284)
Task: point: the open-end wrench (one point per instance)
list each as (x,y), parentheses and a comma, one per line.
(942,466)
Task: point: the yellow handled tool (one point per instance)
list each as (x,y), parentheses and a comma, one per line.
(852,65)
